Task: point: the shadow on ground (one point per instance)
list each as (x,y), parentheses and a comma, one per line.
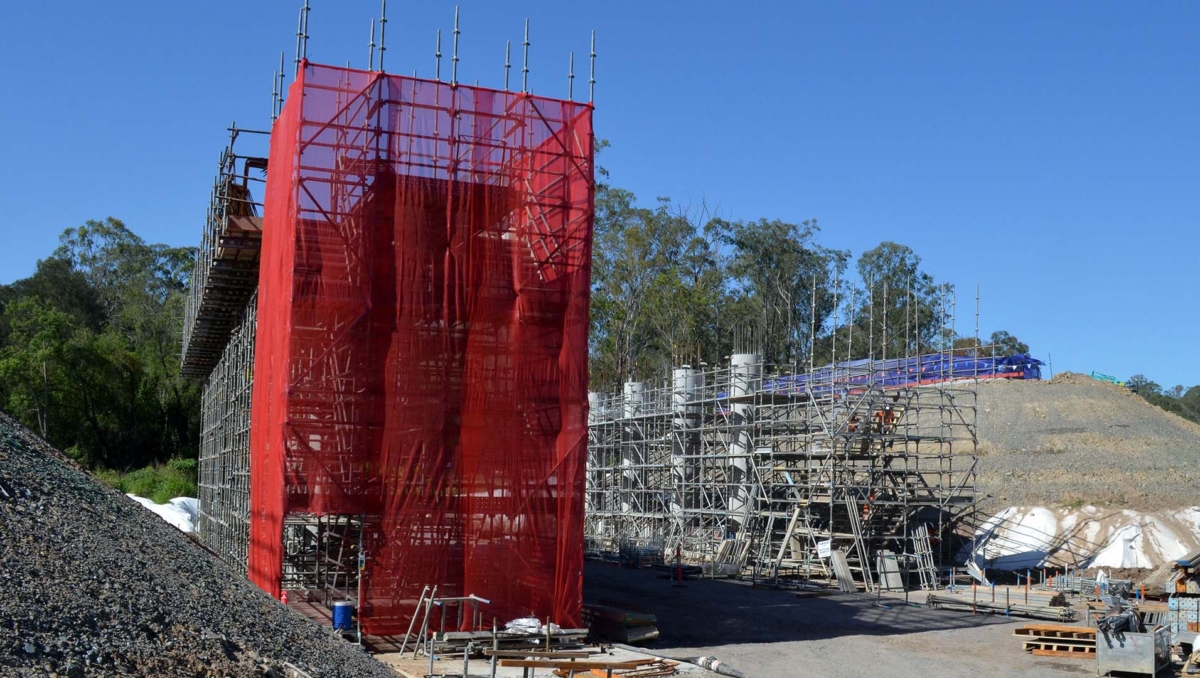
(712,613)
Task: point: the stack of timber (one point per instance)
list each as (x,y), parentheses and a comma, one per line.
(646,668)
(1056,640)
(1009,600)
(619,625)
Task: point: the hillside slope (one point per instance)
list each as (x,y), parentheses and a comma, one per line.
(92,584)
(1076,441)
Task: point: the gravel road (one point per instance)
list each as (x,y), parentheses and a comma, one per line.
(92,584)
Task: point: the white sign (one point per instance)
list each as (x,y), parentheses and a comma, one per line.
(823,549)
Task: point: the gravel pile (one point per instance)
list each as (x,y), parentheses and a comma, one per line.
(1075,441)
(92,584)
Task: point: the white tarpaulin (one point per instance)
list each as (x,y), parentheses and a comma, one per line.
(1023,537)
(179,512)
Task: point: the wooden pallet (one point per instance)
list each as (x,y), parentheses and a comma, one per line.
(1064,655)
(1061,644)
(1056,631)
(1058,640)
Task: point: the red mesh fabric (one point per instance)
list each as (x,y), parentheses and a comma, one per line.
(422,343)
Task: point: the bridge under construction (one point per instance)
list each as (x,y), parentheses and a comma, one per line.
(868,465)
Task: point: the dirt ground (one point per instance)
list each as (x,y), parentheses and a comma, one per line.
(1074,441)
(769,633)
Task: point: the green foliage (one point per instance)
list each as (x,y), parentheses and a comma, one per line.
(159,483)
(1190,402)
(893,309)
(89,349)
(780,282)
(1182,401)
(1001,343)
(675,286)
(1007,344)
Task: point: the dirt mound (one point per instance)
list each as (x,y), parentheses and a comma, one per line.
(1077,379)
(1076,441)
(92,584)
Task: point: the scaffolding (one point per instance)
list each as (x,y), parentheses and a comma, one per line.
(220,322)
(747,467)
(225,274)
(223,477)
(323,556)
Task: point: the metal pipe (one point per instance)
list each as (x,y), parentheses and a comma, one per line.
(592,77)
(299,35)
(495,646)
(304,54)
(437,57)
(525,66)
(454,58)
(371,46)
(507,65)
(382,34)
(709,663)
(571,79)
(281,76)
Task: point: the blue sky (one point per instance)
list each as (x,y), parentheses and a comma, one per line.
(1047,152)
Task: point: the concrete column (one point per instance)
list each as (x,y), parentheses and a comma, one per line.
(633,449)
(595,458)
(687,386)
(745,380)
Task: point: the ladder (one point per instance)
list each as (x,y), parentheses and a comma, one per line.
(859,543)
(924,553)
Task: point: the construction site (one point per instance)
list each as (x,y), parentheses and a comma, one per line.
(391,331)
(866,466)
(403,468)
(392,337)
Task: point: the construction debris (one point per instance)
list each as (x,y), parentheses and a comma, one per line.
(648,668)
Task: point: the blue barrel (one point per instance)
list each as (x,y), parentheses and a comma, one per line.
(343,613)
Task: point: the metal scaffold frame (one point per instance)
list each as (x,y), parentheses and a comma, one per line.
(223,476)
(220,322)
(743,467)
(225,274)
(321,556)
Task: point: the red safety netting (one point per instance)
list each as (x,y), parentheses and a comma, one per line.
(421,356)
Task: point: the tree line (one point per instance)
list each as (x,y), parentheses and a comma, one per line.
(1179,399)
(674,286)
(90,346)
